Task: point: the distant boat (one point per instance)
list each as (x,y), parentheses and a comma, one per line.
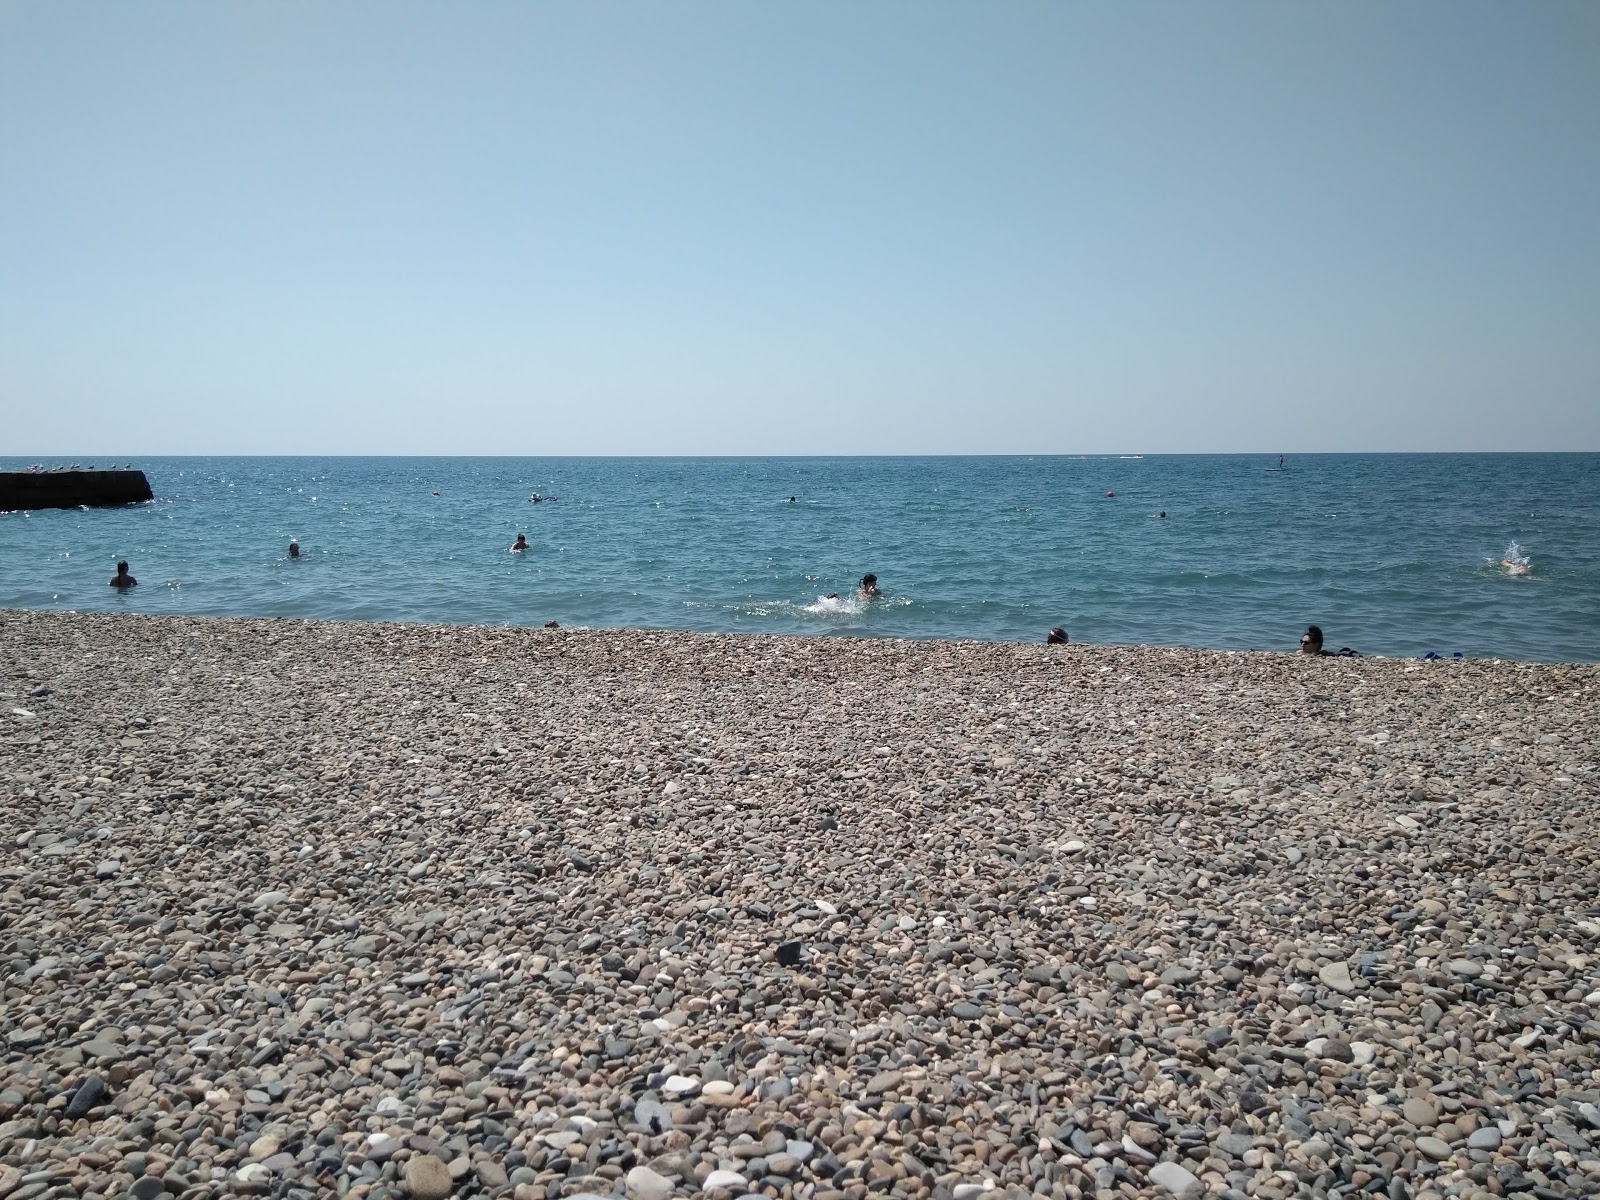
(1131,456)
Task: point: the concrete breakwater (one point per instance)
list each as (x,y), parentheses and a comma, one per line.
(69,489)
(307,909)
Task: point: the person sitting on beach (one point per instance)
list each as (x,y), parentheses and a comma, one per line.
(520,544)
(122,580)
(869,586)
(1056,637)
(294,548)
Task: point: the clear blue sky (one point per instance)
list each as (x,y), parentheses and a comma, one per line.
(798,228)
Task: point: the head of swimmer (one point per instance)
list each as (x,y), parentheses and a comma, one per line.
(869,586)
(294,548)
(521,543)
(1056,637)
(1311,640)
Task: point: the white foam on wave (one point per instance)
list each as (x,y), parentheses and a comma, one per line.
(836,606)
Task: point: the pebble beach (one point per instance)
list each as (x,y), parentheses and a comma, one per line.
(302,909)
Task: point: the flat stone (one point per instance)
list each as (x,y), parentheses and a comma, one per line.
(783,1164)
(1178,1180)
(1419,1113)
(427,1178)
(644,1184)
(1487,1138)
(91,1094)
(1234,1145)
(491,1174)
(884,1081)
(1434,1148)
(1336,975)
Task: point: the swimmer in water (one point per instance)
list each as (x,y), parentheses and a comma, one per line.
(1515,566)
(791,499)
(294,548)
(521,544)
(122,581)
(869,586)
(1056,637)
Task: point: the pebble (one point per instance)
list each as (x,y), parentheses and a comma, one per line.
(1177,1179)
(645,1184)
(427,1177)
(1419,1113)
(1485,1138)
(1434,1148)
(90,1094)
(405,909)
(1337,976)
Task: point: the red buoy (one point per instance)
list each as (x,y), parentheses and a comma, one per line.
(1108,493)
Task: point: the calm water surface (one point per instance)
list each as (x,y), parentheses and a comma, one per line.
(1391,554)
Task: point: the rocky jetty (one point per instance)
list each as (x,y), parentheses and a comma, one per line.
(71,489)
(329,909)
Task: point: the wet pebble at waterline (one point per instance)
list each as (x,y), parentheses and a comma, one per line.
(303,909)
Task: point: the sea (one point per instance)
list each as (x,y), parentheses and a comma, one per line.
(1481,555)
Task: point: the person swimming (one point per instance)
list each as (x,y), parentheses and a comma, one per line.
(520,544)
(294,548)
(122,581)
(1311,643)
(869,586)
(1056,637)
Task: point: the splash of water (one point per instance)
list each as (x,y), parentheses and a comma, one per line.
(1515,562)
(839,606)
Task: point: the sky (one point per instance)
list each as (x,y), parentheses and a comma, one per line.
(780,228)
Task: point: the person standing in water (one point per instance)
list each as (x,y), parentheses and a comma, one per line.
(869,586)
(294,548)
(521,544)
(122,581)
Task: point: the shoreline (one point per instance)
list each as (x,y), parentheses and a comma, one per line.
(755,635)
(366,909)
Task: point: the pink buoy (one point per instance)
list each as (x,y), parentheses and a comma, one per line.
(1110,493)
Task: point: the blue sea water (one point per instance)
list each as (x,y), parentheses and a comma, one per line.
(1390,554)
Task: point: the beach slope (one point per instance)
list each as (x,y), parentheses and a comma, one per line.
(331,908)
